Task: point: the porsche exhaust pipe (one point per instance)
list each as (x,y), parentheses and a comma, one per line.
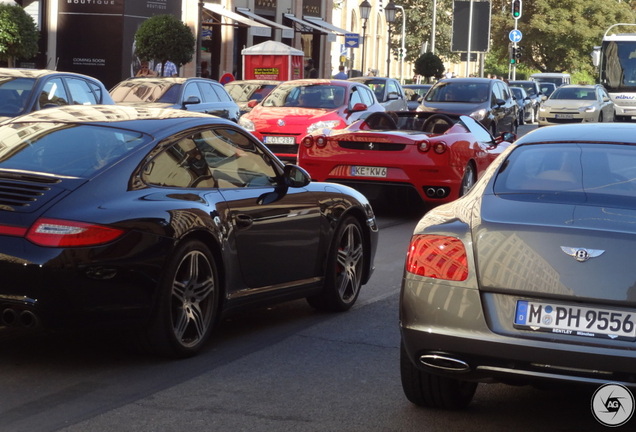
(13,318)
(28,319)
(9,317)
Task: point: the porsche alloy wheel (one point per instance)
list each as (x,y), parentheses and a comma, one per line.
(188,302)
(428,390)
(344,270)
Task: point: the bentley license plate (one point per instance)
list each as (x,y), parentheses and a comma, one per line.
(290,140)
(575,320)
(367,171)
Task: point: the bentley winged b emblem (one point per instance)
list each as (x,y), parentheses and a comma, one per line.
(581,254)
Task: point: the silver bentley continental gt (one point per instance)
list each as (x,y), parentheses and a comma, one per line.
(530,277)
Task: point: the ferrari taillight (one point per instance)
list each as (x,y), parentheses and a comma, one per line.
(439,147)
(321,141)
(308,141)
(62,233)
(423,146)
(439,257)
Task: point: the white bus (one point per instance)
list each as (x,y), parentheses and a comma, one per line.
(616,60)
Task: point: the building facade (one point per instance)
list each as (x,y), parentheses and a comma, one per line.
(96,37)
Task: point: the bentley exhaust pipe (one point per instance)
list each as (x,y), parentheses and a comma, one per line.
(444,362)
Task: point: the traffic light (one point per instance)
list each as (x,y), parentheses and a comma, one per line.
(518,54)
(516,9)
(514,56)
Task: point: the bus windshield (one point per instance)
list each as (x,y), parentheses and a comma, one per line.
(618,65)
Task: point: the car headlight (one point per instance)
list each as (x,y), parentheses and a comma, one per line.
(588,109)
(326,124)
(247,124)
(479,115)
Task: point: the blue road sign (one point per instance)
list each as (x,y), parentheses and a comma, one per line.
(515,36)
(352,40)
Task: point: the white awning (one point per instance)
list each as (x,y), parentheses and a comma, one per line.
(322,23)
(331,36)
(256,28)
(286,32)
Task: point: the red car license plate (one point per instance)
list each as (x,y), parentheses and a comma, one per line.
(368,171)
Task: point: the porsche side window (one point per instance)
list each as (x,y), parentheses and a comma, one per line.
(181,165)
(234,159)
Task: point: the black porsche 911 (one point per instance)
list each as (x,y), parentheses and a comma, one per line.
(167,219)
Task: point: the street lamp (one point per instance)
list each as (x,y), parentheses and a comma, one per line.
(365,11)
(389,13)
(402,48)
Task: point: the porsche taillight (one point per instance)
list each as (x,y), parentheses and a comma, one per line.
(436,256)
(62,233)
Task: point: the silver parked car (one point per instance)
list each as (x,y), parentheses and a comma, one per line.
(388,91)
(192,94)
(528,278)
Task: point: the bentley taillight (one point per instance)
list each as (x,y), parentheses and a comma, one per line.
(62,233)
(439,257)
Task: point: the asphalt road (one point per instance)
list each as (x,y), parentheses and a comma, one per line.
(284,368)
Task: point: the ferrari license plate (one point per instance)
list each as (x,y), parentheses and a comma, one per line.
(564,116)
(290,140)
(368,171)
(575,320)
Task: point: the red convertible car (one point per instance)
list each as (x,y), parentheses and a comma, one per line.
(439,156)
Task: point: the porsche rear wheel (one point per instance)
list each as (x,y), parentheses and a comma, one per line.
(344,269)
(187,306)
(428,390)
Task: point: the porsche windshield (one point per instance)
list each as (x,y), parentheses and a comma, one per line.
(63,149)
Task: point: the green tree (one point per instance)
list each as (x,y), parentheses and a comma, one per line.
(419,25)
(558,35)
(164,37)
(429,65)
(18,34)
